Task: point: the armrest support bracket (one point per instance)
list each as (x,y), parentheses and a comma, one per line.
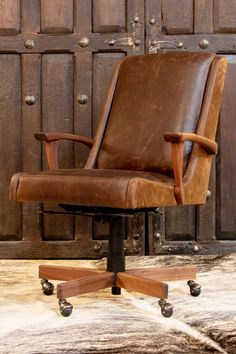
(51,144)
(177,140)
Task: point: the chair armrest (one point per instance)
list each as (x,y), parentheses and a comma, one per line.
(51,144)
(48,137)
(177,140)
(209,145)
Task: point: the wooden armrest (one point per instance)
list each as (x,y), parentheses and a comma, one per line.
(209,145)
(51,141)
(177,140)
(48,137)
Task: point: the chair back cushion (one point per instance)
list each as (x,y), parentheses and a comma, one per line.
(155,93)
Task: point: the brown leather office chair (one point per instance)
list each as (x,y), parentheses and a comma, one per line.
(138,161)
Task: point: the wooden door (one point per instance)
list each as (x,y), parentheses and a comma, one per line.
(200,25)
(56,59)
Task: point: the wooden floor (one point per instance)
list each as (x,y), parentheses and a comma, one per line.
(129,323)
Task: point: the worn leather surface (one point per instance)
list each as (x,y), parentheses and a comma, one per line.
(105,188)
(154,94)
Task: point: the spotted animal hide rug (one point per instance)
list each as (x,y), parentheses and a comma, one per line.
(30,322)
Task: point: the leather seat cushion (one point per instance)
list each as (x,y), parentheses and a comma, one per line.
(93,187)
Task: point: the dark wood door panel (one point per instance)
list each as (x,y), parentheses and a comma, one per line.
(226,160)
(200,25)
(57,100)
(224,16)
(31,149)
(10,17)
(180,223)
(30,16)
(65,52)
(82,24)
(206,214)
(83,102)
(10,143)
(203,16)
(109,16)
(57,115)
(57,16)
(177,16)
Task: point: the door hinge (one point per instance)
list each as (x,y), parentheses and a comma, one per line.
(120,42)
(156,46)
(123,42)
(134,38)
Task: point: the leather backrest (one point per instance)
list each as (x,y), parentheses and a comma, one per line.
(154,94)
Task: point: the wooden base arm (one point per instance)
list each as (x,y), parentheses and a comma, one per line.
(166,274)
(145,281)
(65,273)
(142,285)
(85,285)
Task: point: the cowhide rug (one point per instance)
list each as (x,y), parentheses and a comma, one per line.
(130,323)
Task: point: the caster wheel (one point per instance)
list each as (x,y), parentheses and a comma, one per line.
(65,308)
(166,308)
(195,289)
(47,287)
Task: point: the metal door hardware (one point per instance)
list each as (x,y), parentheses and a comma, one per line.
(204,43)
(29,43)
(84,42)
(121,42)
(82,98)
(136,19)
(30,100)
(155,45)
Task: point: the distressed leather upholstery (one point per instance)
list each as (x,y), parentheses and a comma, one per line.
(130,164)
(95,187)
(154,94)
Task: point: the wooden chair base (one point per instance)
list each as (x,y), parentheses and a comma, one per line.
(84,280)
